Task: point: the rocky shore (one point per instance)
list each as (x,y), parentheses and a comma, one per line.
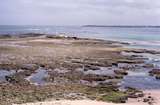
(37,67)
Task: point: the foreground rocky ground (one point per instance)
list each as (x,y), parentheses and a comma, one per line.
(150,94)
(58,67)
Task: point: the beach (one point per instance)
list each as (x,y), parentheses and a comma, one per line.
(69,70)
(80,52)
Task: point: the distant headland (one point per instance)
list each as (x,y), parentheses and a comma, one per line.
(124,26)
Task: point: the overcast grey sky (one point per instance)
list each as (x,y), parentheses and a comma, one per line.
(80,12)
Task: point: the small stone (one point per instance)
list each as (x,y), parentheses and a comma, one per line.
(145,100)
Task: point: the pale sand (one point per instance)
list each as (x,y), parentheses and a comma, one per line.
(154,93)
(80,102)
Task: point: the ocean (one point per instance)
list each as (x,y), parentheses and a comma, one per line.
(139,37)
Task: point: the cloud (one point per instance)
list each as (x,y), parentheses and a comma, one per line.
(79,12)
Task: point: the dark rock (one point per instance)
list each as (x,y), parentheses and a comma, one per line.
(32,67)
(155,71)
(119,76)
(108,85)
(62,36)
(149,96)
(121,72)
(148,66)
(90,67)
(30,35)
(136,95)
(157,76)
(143,51)
(15,79)
(123,99)
(150,103)
(114,64)
(8,66)
(130,61)
(93,63)
(6,36)
(25,73)
(146,100)
(92,77)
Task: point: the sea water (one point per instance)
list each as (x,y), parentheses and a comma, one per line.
(141,37)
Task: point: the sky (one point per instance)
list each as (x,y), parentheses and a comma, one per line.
(79,12)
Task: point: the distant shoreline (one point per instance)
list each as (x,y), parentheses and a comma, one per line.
(121,26)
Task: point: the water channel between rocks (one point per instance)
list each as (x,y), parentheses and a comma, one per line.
(140,78)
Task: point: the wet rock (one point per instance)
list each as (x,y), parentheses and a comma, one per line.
(157,76)
(93,63)
(112,83)
(150,103)
(123,99)
(146,100)
(130,61)
(125,66)
(49,78)
(143,51)
(115,64)
(119,76)
(155,71)
(136,56)
(74,75)
(92,77)
(90,67)
(17,79)
(148,66)
(68,65)
(7,66)
(136,95)
(121,72)
(32,67)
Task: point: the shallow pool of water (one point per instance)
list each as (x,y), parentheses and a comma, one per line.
(140,80)
(4,73)
(102,71)
(38,77)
